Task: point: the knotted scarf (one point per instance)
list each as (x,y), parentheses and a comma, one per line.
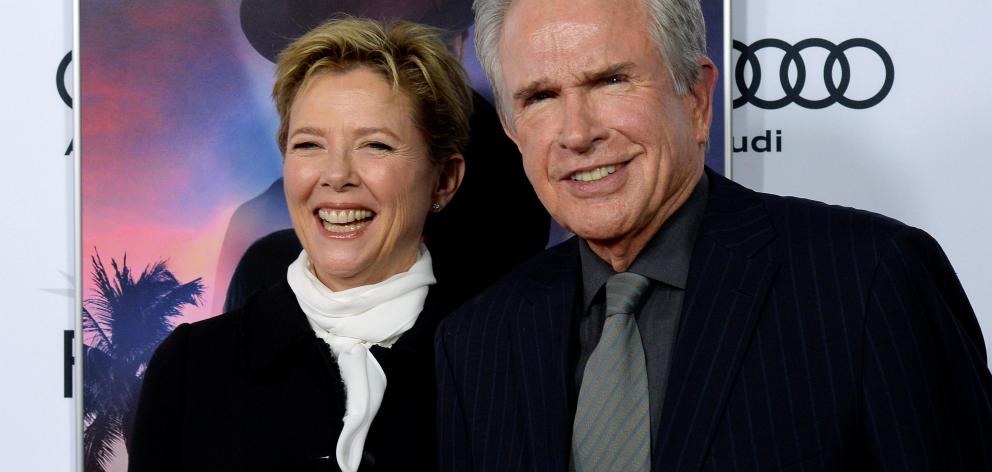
(350,322)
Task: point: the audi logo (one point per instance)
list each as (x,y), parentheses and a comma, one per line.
(836,54)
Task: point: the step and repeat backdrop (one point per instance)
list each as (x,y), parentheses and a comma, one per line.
(882,106)
(180,172)
(879,106)
(38,430)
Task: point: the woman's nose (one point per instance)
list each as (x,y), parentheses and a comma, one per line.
(339,172)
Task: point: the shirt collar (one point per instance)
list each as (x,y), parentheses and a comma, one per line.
(666,257)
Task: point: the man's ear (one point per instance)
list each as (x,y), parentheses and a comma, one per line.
(701,99)
(448,180)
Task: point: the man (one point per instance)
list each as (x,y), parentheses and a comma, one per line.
(743,331)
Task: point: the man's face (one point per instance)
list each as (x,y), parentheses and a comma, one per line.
(609,147)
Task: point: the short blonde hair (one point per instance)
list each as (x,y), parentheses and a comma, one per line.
(408,55)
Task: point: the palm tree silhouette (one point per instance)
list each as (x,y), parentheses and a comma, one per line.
(123,323)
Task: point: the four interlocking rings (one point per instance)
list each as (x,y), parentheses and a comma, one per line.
(793,91)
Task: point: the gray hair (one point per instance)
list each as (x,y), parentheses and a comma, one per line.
(676,26)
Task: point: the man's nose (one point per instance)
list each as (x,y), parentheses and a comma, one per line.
(581,129)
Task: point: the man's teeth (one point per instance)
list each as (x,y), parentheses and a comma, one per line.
(343,216)
(595,174)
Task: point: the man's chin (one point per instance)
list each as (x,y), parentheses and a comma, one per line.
(605,226)
(603,237)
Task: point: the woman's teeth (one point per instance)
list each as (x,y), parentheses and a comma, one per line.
(344,221)
(595,174)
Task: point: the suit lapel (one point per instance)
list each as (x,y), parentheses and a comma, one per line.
(728,280)
(542,330)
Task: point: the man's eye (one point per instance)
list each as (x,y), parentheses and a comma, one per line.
(615,79)
(538,97)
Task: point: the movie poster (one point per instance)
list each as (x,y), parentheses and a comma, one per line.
(181,172)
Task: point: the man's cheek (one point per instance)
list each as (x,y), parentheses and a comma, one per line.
(530,169)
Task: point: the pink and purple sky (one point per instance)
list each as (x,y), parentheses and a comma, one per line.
(177,131)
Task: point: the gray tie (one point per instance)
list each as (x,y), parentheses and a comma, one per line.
(612,430)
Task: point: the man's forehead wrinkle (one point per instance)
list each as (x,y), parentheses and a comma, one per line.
(558,36)
(552,41)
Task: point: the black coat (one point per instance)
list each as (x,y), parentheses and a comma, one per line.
(255,389)
(812,337)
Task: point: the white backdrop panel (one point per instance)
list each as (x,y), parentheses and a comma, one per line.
(37,425)
(921,155)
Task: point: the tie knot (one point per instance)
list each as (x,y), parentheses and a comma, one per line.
(623,292)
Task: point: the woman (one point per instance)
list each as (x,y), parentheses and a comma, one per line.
(373,125)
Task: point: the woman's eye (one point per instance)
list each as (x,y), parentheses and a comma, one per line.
(379,146)
(305,145)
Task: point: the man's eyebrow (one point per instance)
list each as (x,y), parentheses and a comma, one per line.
(529,89)
(622,68)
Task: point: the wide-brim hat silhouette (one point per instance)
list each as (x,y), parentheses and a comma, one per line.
(270,25)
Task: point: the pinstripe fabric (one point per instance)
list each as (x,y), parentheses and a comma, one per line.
(813,338)
(612,431)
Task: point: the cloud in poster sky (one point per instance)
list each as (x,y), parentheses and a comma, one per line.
(179,246)
(170,144)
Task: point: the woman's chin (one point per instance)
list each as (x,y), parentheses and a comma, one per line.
(341,265)
(344,257)
(340,276)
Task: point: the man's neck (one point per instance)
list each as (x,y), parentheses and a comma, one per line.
(621,253)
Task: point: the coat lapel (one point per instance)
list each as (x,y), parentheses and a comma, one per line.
(728,279)
(272,328)
(542,330)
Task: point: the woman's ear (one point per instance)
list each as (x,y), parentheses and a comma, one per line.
(448,181)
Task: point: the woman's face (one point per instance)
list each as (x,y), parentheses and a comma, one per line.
(358,178)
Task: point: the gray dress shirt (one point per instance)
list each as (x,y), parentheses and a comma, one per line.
(665,262)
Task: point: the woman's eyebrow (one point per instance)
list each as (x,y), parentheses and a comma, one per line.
(308,130)
(367,130)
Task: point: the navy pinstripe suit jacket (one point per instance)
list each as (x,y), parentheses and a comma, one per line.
(813,337)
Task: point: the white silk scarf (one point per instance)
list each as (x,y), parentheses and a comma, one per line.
(350,322)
